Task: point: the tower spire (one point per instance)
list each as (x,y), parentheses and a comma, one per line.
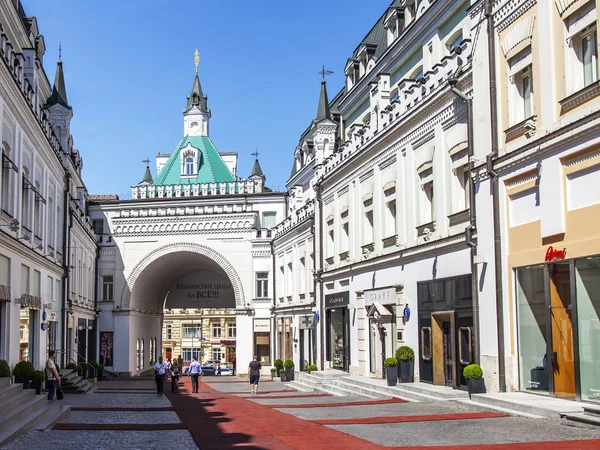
(196,60)
(147,174)
(59,92)
(323,111)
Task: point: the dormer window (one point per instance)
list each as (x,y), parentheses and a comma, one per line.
(189,162)
(393,23)
(454,43)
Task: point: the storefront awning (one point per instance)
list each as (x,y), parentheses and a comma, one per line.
(378,312)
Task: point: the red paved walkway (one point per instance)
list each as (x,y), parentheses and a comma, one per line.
(218,420)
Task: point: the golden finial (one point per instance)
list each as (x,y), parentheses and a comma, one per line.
(196,60)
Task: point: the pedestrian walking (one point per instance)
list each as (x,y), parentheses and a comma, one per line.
(233,364)
(195,372)
(160,373)
(52,377)
(180,362)
(175,373)
(254,374)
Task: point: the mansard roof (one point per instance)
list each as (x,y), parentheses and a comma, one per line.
(210,166)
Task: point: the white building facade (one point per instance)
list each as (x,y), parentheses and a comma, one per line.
(35,228)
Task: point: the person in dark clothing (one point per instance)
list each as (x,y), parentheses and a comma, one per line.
(175,373)
(254,374)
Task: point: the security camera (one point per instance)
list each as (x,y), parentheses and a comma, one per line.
(530,125)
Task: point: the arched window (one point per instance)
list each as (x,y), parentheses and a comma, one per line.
(189,166)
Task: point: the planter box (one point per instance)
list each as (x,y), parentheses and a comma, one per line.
(407,371)
(282,376)
(289,374)
(391,375)
(25,381)
(476,386)
(37,385)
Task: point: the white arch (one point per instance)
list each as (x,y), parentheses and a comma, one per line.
(191,247)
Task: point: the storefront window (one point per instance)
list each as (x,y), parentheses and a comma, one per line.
(531,309)
(587,274)
(337,337)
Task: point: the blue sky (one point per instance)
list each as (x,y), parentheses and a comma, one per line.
(129,66)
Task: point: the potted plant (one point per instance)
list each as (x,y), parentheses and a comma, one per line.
(37,379)
(74,367)
(23,371)
(474,376)
(406,360)
(83,369)
(282,374)
(278,364)
(100,373)
(289,370)
(4,369)
(93,369)
(273,372)
(312,368)
(391,371)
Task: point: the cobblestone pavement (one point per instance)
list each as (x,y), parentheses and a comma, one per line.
(215,419)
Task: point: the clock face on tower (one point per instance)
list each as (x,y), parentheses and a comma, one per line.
(195,126)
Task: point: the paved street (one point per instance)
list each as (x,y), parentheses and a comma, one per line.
(128,414)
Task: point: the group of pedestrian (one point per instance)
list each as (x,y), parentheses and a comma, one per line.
(163,370)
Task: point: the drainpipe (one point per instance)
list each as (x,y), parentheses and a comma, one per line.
(274,319)
(313,338)
(472,228)
(66,263)
(319,273)
(488,10)
(96,312)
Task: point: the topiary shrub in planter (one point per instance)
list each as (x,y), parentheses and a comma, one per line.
(391,370)
(289,370)
(273,372)
(278,364)
(23,372)
(406,360)
(100,373)
(282,374)
(93,369)
(74,367)
(474,376)
(4,369)
(312,368)
(83,369)
(37,379)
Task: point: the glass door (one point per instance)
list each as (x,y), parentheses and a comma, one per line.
(562,348)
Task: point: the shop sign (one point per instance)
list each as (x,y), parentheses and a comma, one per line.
(31,302)
(553,254)
(262,325)
(227,342)
(338,299)
(308,322)
(201,290)
(385,296)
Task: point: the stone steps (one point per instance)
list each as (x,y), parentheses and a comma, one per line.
(21,410)
(589,416)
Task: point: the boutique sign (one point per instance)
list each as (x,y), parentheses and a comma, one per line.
(555,254)
(338,299)
(201,290)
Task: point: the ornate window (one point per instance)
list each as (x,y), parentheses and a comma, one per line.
(189,162)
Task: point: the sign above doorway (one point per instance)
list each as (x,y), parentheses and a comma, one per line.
(553,254)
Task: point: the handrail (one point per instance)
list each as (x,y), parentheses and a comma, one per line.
(81,356)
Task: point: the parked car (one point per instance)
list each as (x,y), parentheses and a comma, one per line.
(208,370)
(226,371)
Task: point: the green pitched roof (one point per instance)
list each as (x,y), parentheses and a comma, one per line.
(257,170)
(147,176)
(211,168)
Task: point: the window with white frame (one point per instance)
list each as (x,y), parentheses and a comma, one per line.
(98,225)
(426,194)
(188,162)
(330,237)
(389,225)
(269,220)
(521,87)
(107,288)
(231,330)
(216,330)
(582,48)
(302,276)
(37,212)
(169,333)
(289,278)
(345,235)
(188,353)
(51,225)
(262,284)
(368,235)
(7,178)
(190,331)
(461,185)
(25,201)
(454,42)
(217,354)
(189,166)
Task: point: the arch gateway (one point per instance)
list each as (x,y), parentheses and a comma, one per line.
(184,266)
